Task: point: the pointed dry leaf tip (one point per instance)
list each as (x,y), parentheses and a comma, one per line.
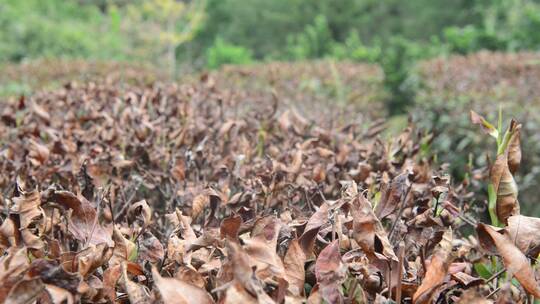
(514,146)
(319,218)
(124,250)
(505,188)
(514,260)
(486,126)
(436,271)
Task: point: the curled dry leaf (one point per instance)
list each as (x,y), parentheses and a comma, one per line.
(514,146)
(177,291)
(151,248)
(368,230)
(283,187)
(244,275)
(40,111)
(296,163)
(50,272)
(124,249)
(515,261)
(141,208)
(238,294)
(110,278)
(199,204)
(189,274)
(230,226)
(466,279)
(179,170)
(264,259)
(7,234)
(436,271)
(505,188)
(28,207)
(314,224)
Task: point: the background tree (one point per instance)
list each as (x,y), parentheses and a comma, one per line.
(163,23)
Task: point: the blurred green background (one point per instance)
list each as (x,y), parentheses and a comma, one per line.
(432,54)
(180,37)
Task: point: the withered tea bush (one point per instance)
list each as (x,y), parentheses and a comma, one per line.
(483,82)
(199,193)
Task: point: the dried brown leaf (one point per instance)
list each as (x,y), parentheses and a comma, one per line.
(38,153)
(177,291)
(84,223)
(524,231)
(368,230)
(141,208)
(137,293)
(514,260)
(124,249)
(25,291)
(436,271)
(505,188)
(294,262)
(514,147)
(28,207)
(59,295)
(330,272)
(13,267)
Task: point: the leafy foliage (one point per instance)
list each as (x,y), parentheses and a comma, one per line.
(225,53)
(56,28)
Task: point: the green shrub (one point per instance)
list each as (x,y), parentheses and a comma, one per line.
(225,53)
(397,58)
(314,42)
(353,48)
(56,28)
(504,26)
(470,39)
